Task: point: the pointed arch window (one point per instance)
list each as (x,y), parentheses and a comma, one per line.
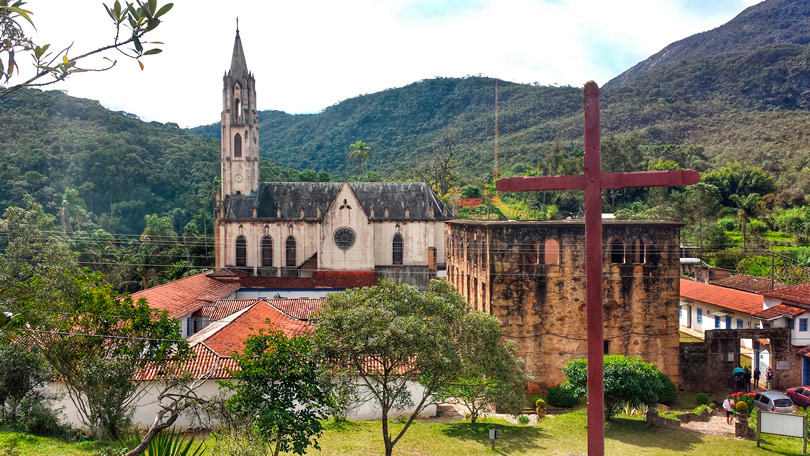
(238,105)
(241,251)
(617,251)
(289,248)
(267,251)
(398,247)
(551,251)
(237,145)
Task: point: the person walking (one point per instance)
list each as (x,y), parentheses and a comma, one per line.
(747,379)
(728,405)
(768,378)
(757,374)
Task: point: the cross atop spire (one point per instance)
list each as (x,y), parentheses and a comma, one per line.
(238,64)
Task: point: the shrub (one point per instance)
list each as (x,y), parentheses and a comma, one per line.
(741,407)
(38,419)
(727,224)
(757,227)
(523,419)
(702,398)
(540,403)
(667,393)
(561,396)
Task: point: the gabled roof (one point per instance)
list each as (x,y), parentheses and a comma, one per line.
(726,298)
(238,63)
(204,362)
(228,335)
(184,296)
(224,307)
(314,198)
(749,283)
(797,294)
(780,310)
(299,309)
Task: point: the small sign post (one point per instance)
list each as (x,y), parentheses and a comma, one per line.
(785,424)
(493,436)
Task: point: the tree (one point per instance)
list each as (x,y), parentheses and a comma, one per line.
(390,336)
(359,153)
(22,377)
(628,380)
(279,390)
(749,207)
(439,172)
(701,202)
(132,22)
(740,179)
(491,374)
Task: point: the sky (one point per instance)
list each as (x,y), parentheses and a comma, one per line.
(307,55)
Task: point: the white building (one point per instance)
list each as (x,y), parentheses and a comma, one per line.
(291,229)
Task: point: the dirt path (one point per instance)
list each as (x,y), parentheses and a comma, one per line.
(715,426)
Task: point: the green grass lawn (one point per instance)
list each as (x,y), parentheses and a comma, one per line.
(562,435)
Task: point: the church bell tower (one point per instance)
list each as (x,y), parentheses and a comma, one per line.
(240,128)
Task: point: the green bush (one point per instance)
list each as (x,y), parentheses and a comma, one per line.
(757,227)
(702,398)
(628,380)
(741,407)
(667,393)
(727,224)
(37,419)
(561,396)
(523,419)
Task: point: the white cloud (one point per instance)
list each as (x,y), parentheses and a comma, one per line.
(307,55)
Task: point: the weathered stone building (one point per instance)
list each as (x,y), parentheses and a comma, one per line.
(531,275)
(295,229)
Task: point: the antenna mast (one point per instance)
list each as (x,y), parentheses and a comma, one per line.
(496,129)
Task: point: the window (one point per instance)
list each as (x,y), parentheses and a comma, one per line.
(617,251)
(789,323)
(802,324)
(716,322)
(680,312)
(700,316)
(739,323)
(397,247)
(237,145)
(241,251)
(344,238)
(552,252)
(267,251)
(238,111)
(290,252)
(728,322)
(606,347)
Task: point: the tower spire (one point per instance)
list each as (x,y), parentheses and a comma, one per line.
(237,24)
(238,63)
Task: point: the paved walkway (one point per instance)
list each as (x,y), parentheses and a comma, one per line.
(715,426)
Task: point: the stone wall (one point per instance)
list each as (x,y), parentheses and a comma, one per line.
(707,366)
(531,276)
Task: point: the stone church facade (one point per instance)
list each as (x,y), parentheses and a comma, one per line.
(531,276)
(292,229)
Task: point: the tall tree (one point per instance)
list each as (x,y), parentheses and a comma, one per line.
(701,202)
(359,153)
(132,22)
(749,207)
(390,336)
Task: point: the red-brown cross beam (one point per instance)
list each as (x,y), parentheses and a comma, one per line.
(593,181)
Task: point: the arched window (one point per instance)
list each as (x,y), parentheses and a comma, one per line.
(241,251)
(551,251)
(290,253)
(639,252)
(267,251)
(397,246)
(617,251)
(237,145)
(238,105)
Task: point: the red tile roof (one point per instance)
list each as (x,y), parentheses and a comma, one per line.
(224,307)
(749,283)
(230,337)
(319,279)
(187,295)
(798,294)
(726,298)
(779,310)
(203,362)
(300,309)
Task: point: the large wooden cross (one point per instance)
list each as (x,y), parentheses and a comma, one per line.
(593,181)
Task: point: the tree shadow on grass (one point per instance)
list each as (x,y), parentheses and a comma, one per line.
(638,433)
(511,438)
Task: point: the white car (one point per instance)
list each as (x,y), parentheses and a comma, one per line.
(771,401)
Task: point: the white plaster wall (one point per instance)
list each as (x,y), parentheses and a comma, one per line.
(416,238)
(359,256)
(305,233)
(438,242)
(147,407)
(708,320)
(770,302)
(798,337)
(285,294)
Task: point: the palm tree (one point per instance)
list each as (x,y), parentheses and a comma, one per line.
(359,153)
(749,207)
